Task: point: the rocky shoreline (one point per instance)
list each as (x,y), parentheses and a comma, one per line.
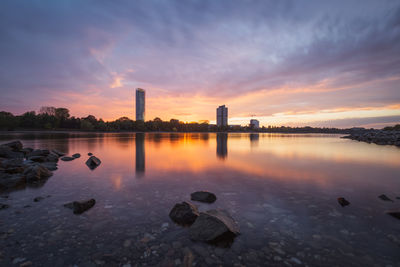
(379,137)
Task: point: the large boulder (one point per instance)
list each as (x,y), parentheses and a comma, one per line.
(81,206)
(9,153)
(93,162)
(15,145)
(184,213)
(38,152)
(203,196)
(36,173)
(213,225)
(52,157)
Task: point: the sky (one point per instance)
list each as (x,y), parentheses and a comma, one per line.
(295,63)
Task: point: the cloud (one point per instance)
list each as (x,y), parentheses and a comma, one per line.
(258,57)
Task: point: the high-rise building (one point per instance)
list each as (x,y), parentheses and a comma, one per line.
(255,124)
(140,101)
(222,116)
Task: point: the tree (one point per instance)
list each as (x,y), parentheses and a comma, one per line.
(51,111)
(8,121)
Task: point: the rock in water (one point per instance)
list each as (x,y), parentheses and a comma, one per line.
(37,158)
(343,202)
(213,225)
(384,198)
(3,206)
(15,145)
(93,162)
(184,213)
(82,206)
(90,154)
(36,173)
(203,196)
(76,155)
(395,214)
(67,158)
(58,153)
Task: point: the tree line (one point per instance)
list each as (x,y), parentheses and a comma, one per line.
(52,118)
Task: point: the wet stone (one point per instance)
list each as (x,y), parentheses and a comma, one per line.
(203,196)
(343,202)
(385,198)
(76,155)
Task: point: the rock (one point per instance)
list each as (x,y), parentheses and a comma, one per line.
(37,199)
(213,225)
(36,173)
(38,152)
(93,162)
(9,153)
(82,206)
(67,158)
(4,206)
(8,181)
(184,213)
(203,196)
(384,198)
(52,166)
(343,202)
(90,154)
(15,145)
(58,153)
(26,150)
(52,157)
(37,158)
(11,163)
(395,214)
(76,155)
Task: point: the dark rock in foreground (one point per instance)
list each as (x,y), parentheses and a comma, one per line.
(67,158)
(343,202)
(213,226)
(80,206)
(184,213)
(20,166)
(395,214)
(203,196)
(93,162)
(76,155)
(385,198)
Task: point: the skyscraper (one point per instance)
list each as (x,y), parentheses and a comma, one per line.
(222,116)
(140,101)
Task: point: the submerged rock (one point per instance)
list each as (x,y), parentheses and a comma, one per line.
(81,206)
(343,202)
(385,198)
(67,158)
(184,213)
(4,206)
(213,225)
(76,155)
(203,196)
(395,214)
(93,162)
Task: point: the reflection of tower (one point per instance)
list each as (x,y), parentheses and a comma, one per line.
(140,159)
(222,145)
(140,103)
(254,139)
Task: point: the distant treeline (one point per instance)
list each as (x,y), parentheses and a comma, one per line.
(51,118)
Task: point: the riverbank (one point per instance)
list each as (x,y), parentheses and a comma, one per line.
(378,137)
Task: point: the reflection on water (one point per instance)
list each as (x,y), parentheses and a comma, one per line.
(140,158)
(222,145)
(281,188)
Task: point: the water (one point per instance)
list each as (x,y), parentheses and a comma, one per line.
(281,188)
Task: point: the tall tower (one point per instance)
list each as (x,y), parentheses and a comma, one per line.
(140,101)
(222,116)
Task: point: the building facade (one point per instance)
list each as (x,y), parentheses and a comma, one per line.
(222,116)
(255,124)
(140,104)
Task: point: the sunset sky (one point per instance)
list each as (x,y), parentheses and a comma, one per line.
(318,63)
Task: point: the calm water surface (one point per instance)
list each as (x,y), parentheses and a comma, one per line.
(281,189)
